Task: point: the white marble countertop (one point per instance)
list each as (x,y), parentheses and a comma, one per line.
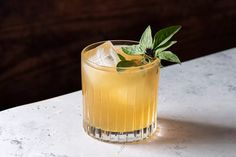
(197,117)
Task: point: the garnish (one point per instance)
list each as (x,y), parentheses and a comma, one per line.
(151,48)
(125,63)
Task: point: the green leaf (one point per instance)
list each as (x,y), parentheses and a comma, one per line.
(168,56)
(164,47)
(164,35)
(122,58)
(125,63)
(146,45)
(133,50)
(146,38)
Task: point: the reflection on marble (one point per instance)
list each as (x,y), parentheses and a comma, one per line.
(196,115)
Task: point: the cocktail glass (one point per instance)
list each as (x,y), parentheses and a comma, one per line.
(119,105)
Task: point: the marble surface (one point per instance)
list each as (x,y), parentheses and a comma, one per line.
(196,114)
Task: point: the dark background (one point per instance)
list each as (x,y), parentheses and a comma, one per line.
(41,41)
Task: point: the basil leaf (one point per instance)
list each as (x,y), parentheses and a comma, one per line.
(164,35)
(164,47)
(122,58)
(133,50)
(147,46)
(126,63)
(168,56)
(146,39)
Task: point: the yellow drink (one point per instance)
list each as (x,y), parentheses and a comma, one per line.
(123,102)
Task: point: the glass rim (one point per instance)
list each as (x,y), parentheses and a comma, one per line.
(107,68)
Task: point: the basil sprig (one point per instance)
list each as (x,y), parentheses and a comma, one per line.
(151,48)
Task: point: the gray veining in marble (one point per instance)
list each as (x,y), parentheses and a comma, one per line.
(196,114)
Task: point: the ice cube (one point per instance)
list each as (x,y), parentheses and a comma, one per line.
(105,55)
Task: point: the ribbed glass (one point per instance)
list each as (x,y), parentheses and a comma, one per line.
(119,106)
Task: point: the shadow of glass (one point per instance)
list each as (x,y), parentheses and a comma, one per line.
(174,132)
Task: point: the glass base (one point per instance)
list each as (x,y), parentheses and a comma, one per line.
(120,137)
